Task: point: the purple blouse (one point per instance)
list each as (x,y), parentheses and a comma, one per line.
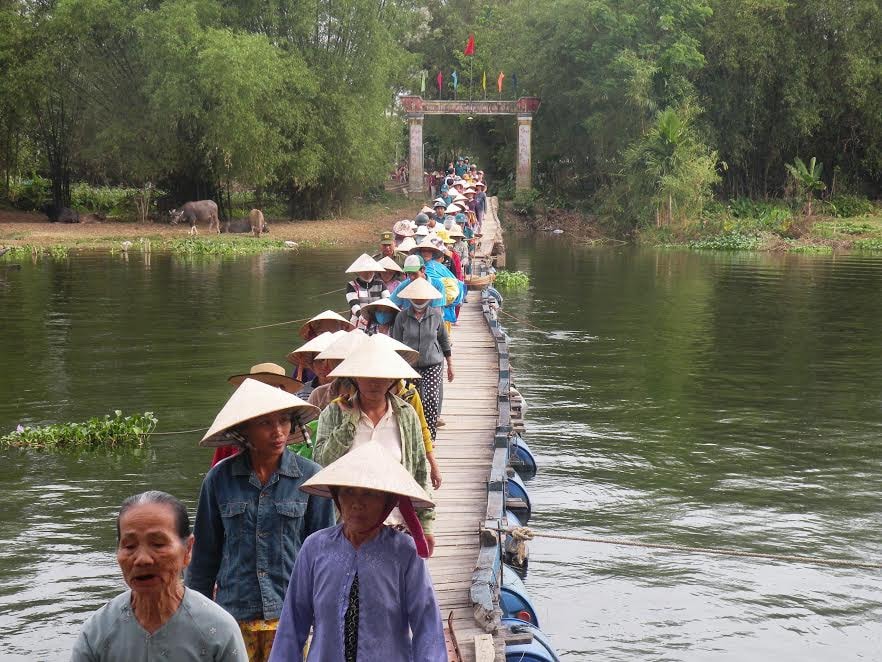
(399,618)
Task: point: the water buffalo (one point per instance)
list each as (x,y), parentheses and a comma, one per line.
(258,225)
(237,226)
(61,214)
(203,210)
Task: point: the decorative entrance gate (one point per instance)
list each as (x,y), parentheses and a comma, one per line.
(417,108)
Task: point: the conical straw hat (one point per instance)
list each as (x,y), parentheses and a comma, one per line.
(252,399)
(427,210)
(428,245)
(408,354)
(328,315)
(386,305)
(406,245)
(342,346)
(364,263)
(305,354)
(419,288)
(268,373)
(373,358)
(455,231)
(370,467)
(389,264)
(403,228)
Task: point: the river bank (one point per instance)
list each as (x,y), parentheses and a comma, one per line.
(771,231)
(362,225)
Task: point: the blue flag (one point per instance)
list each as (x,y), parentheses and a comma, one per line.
(455,78)
(514,82)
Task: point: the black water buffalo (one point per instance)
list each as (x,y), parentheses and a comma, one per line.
(202,210)
(58,214)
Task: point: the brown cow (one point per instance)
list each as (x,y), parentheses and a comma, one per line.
(202,210)
(258,225)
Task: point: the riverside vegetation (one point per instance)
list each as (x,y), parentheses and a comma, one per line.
(653,113)
(107,432)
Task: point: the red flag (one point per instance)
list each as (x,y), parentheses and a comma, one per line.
(440,79)
(470,46)
(499,82)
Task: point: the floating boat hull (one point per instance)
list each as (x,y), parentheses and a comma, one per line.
(538,650)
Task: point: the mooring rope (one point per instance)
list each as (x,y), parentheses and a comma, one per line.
(265,326)
(182,431)
(522,534)
(518,319)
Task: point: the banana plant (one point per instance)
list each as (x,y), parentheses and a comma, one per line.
(807,179)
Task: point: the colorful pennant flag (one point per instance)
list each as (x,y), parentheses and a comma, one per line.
(514,83)
(455,77)
(484,82)
(423,76)
(470,46)
(499,82)
(440,81)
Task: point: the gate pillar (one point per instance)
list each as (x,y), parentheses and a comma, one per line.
(524,170)
(415,180)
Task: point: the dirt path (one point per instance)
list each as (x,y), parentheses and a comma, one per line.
(364,225)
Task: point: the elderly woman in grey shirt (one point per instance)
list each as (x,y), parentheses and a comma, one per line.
(420,326)
(157,616)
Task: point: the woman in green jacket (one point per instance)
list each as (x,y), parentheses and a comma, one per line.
(373,413)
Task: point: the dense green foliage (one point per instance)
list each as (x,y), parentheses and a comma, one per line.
(108,432)
(650,108)
(198,96)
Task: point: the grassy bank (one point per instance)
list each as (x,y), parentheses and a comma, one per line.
(31,235)
(854,225)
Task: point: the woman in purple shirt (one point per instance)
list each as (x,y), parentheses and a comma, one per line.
(362,585)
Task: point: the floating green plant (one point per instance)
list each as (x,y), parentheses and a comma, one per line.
(107,432)
(512,279)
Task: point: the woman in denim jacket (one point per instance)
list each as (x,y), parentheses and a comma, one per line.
(252,517)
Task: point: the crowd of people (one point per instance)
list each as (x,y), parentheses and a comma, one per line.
(315,519)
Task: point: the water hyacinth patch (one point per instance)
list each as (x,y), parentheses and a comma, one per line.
(107,432)
(512,279)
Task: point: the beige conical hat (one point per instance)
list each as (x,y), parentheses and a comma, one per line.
(389,264)
(455,231)
(427,244)
(427,210)
(328,315)
(383,304)
(305,354)
(407,244)
(370,467)
(419,288)
(408,354)
(364,263)
(342,346)
(268,373)
(252,399)
(374,358)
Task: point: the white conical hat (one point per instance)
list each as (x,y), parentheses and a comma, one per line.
(328,315)
(304,354)
(420,288)
(342,346)
(427,210)
(370,467)
(268,373)
(406,245)
(455,231)
(252,399)
(403,228)
(374,358)
(364,263)
(408,354)
(427,244)
(386,305)
(389,264)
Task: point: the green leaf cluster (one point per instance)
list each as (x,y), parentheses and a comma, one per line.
(107,432)
(512,280)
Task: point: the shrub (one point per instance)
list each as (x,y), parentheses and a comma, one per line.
(733,241)
(113,432)
(849,206)
(524,201)
(30,194)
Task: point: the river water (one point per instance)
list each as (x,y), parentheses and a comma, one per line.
(727,400)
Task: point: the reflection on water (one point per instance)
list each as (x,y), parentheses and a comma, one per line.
(720,400)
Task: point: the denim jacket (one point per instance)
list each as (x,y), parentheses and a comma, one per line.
(248,535)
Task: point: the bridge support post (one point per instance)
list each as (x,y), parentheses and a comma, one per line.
(523,177)
(415,180)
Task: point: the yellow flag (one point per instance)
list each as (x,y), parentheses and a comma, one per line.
(484,81)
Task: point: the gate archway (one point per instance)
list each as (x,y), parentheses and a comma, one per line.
(416,109)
